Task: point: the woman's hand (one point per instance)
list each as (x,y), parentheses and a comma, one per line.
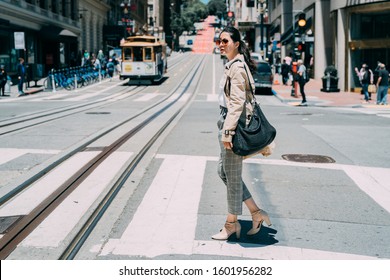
(228,145)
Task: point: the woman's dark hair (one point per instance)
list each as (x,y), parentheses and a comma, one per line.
(242,48)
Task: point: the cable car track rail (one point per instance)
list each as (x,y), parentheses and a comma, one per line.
(67,154)
(29,222)
(29,119)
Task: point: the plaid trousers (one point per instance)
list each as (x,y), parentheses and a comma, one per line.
(230,171)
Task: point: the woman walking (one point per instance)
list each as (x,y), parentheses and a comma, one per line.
(234,91)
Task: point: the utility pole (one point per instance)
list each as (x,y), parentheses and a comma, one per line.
(261,14)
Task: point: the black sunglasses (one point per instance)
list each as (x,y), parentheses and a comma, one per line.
(220,42)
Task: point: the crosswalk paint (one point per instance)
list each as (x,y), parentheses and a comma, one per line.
(55,228)
(145,97)
(207,247)
(8,154)
(27,200)
(171,202)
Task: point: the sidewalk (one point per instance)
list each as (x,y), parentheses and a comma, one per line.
(316,97)
(40,88)
(31,90)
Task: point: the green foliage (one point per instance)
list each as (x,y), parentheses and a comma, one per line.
(193,11)
(217,8)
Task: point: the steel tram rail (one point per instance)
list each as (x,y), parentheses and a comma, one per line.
(28,119)
(29,222)
(9,195)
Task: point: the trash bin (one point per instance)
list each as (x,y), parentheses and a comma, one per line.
(330,80)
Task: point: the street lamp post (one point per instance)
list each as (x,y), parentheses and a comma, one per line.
(294,12)
(261,12)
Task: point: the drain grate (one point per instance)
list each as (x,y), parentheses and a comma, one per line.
(308,158)
(6,223)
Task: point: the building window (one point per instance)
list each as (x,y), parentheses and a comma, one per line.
(370,26)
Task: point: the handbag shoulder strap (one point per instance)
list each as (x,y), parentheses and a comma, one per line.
(250,84)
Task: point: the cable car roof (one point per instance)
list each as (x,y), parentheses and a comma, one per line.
(143,40)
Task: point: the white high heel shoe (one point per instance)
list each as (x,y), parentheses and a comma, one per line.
(257,219)
(228,230)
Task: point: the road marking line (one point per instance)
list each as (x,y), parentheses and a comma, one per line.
(10,154)
(165,220)
(146,97)
(373,181)
(27,200)
(171,203)
(256,251)
(55,228)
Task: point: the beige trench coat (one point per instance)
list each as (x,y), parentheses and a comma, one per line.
(237,92)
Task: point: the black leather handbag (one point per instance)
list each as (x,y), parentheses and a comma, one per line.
(259,133)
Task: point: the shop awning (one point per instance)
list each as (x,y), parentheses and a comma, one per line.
(55,33)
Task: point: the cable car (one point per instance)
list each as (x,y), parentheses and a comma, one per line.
(143,58)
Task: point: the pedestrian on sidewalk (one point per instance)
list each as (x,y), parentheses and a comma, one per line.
(301,76)
(234,89)
(3,80)
(382,85)
(286,69)
(110,68)
(366,77)
(21,70)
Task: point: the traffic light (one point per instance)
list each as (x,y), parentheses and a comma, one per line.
(250,3)
(301,47)
(302,22)
(230,18)
(230,15)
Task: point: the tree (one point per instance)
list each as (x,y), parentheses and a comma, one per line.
(193,11)
(217,8)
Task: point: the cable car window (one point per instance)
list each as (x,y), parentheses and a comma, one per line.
(127,54)
(148,53)
(137,53)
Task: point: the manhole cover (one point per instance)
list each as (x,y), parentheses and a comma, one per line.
(98,113)
(308,158)
(7,222)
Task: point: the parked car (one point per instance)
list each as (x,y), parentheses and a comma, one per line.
(256,57)
(263,78)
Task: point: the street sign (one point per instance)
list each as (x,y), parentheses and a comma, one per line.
(19,40)
(305,37)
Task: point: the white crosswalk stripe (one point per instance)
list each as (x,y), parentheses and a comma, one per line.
(171,202)
(26,201)
(55,228)
(8,154)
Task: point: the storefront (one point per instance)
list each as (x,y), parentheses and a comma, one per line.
(41,50)
(370,39)
(363,36)
(14,42)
